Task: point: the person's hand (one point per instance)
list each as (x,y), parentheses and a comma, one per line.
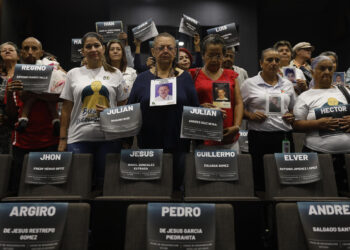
(328,123)
(150,61)
(137,42)
(288,118)
(62,145)
(197,42)
(14,86)
(212,106)
(100,108)
(344,123)
(301,85)
(230,133)
(257,116)
(123,37)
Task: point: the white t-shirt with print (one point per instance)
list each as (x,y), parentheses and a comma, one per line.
(129,77)
(254,93)
(86,88)
(304,109)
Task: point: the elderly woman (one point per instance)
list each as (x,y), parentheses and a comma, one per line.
(268,101)
(284,48)
(211,75)
(116,56)
(161,124)
(88,90)
(327,132)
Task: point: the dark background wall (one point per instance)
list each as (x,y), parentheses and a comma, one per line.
(261,23)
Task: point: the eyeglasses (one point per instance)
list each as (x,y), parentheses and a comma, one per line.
(271,59)
(163,47)
(324,68)
(89,46)
(211,57)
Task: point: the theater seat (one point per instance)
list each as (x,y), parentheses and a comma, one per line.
(325,189)
(347,166)
(199,190)
(290,232)
(5,170)
(77,187)
(136,227)
(116,188)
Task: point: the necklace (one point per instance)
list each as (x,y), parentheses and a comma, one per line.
(211,76)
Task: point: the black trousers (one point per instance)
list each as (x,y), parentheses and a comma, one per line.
(339,169)
(17,164)
(261,143)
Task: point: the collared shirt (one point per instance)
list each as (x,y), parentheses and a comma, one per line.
(255,92)
(242,74)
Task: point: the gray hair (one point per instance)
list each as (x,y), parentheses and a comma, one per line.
(213,39)
(319,59)
(262,56)
(330,53)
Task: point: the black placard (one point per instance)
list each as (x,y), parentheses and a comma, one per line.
(189,25)
(337,111)
(143,164)
(34,226)
(145,30)
(109,30)
(243,141)
(228,32)
(35,78)
(326,224)
(120,122)
(48,167)
(217,165)
(180,226)
(201,124)
(76,47)
(298,168)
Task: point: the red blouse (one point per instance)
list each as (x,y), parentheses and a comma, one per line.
(204,87)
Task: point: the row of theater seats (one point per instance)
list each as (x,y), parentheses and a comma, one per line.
(78,186)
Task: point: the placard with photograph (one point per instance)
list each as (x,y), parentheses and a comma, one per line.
(338,78)
(76,47)
(228,32)
(32,226)
(180,226)
(35,78)
(189,26)
(48,167)
(201,124)
(335,111)
(326,224)
(298,168)
(143,164)
(216,165)
(145,31)
(221,95)
(290,74)
(109,29)
(163,92)
(274,104)
(121,122)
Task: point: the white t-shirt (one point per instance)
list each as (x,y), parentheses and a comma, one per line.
(254,93)
(304,109)
(129,77)
(86,88)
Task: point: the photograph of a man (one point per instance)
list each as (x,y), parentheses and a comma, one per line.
(163,92)
(289,73)
(221,94)
(275,104)
(338,78)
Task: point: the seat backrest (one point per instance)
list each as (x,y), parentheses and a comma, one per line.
(116,186)
(136,224)
(347,166)
(326,187)
(78,181)
(290,232)
(76,230)
(244,187)
(5,170)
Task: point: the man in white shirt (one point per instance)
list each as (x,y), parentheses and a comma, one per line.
(228,63)
(163,92)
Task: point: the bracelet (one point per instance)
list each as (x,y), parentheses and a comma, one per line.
(63,138)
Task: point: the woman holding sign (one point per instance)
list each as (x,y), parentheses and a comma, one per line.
(116,57)
(324,114)
(268,101)
(219,88)
(89,90)
(163,91)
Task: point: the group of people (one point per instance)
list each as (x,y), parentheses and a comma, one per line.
(273,106)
